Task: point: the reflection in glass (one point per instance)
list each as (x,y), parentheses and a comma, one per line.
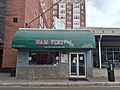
(81,64)
(73,64)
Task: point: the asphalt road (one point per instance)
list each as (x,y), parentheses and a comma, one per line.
(37,88)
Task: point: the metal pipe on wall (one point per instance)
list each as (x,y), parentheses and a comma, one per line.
(100,51)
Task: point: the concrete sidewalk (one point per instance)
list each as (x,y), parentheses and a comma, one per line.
(96,82)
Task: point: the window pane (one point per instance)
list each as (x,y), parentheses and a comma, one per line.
(109,55)
(42,58)
(103,59)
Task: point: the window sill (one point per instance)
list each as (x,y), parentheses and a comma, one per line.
(42,65)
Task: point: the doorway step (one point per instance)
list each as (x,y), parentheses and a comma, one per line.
(78,79)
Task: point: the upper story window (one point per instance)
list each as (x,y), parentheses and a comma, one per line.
(2,3)
(76,17)
(62,6)
(62,17)
(15,20)
(77,6)
(62,11)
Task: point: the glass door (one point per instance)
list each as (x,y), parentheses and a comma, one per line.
(77,66)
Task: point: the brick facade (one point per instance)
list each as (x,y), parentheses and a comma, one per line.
(31,12)
(24,11)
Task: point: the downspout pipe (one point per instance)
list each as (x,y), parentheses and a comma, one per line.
(100,51)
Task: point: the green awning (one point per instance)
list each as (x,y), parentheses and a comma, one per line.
(37,39)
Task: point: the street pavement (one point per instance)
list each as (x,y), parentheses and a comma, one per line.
(93,82)
(81,88)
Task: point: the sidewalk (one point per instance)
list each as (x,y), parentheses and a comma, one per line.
(96,82)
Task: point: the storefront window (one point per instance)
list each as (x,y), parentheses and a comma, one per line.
(108,53)
(110,50)
(43,58)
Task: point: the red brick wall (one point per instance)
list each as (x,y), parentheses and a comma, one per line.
(17,10)
(49,14)
(31,12)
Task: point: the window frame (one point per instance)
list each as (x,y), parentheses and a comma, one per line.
(48,61)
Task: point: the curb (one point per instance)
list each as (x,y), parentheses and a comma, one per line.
(64,84)
(96,84)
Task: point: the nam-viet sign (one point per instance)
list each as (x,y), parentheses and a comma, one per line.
(55,42)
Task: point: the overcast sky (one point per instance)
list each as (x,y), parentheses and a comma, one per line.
(103,13)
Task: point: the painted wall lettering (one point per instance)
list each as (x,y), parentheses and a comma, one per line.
(41,42)
(55,42)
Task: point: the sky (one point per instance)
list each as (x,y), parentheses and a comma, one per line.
(103,13)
